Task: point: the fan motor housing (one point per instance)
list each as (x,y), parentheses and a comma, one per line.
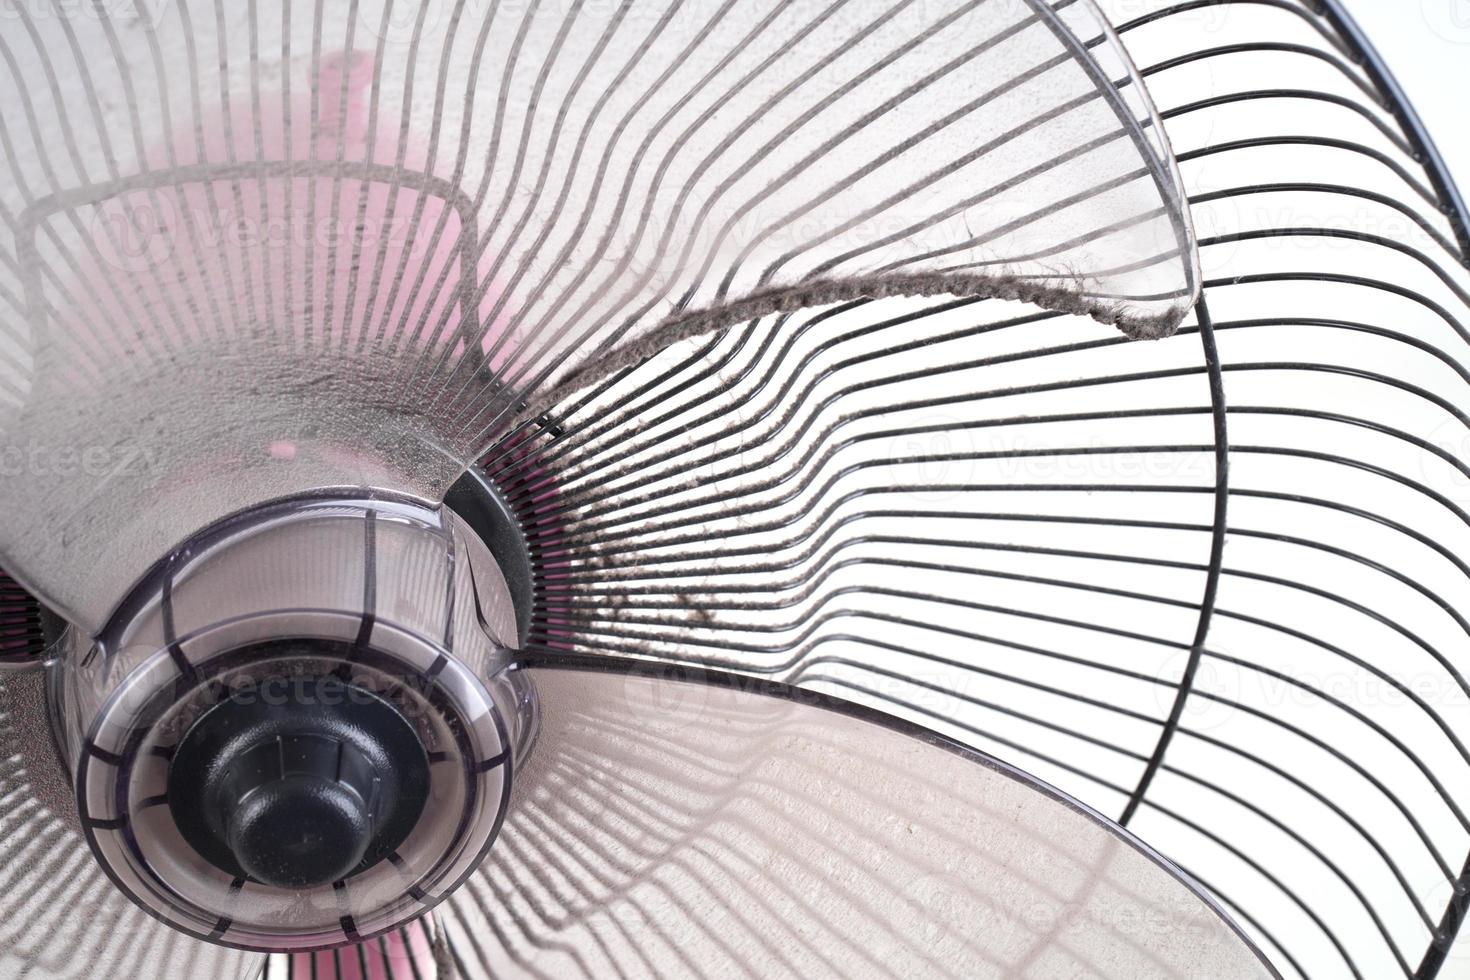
(299,730)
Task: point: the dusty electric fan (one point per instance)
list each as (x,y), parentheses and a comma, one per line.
(463,449)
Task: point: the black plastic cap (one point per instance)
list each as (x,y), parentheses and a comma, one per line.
(298,782)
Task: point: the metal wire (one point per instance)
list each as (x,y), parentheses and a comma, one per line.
(21,639)
(1209,585)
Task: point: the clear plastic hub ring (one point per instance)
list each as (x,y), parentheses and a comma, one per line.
(299,731)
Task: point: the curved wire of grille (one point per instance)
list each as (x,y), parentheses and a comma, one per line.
(1210,585)
(21,638)
(411,952)
(456,205)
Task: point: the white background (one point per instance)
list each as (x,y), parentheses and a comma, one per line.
(1426,44)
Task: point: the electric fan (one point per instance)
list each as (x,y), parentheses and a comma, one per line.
(814,488)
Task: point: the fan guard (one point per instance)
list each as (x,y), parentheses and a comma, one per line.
(1205,586)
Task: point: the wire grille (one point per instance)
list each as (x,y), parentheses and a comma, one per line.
(413,952)
(21,639)
(258,234)
(1210,585)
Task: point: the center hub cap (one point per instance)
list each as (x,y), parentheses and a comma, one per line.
(299,731)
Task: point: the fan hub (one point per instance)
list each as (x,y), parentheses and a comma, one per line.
(298,782)
(299,730)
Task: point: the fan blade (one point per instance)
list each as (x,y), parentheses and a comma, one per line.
(251,251)
(60,916)
(676,822)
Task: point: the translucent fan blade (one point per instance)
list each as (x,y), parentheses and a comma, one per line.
(60,916)
(255,249)
(670,826)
